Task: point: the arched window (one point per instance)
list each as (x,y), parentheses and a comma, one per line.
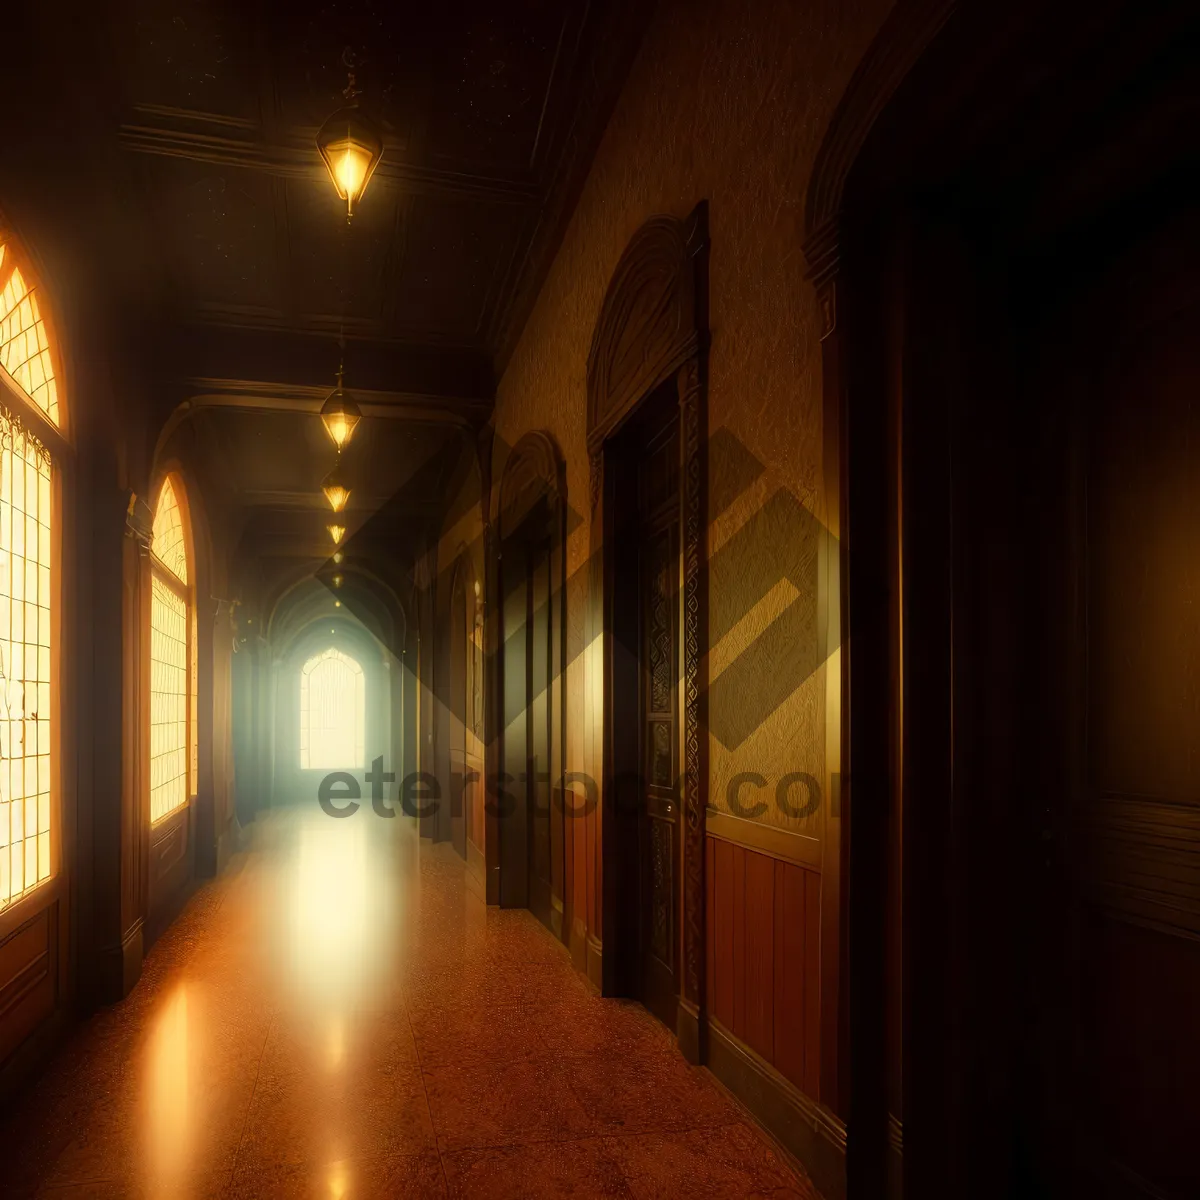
(332,712)
(30,442)
(173,754)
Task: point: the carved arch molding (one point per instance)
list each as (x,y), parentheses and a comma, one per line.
(653,327)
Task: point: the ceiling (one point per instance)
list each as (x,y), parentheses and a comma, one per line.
(490,111)
(238,247)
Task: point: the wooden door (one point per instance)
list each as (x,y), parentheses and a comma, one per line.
(513,800)
(658,709)
(643,838)
(541,885)
(1126,837)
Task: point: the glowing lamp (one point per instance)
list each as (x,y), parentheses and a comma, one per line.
(337,532)
(335,489)
(337,556)
(351,147)
(338,581)
(340,416)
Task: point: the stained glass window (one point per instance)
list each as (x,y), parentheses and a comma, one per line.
(26,513)
(332,712)
(24,344)
(172,662)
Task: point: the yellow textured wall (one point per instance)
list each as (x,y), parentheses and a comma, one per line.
(727,102)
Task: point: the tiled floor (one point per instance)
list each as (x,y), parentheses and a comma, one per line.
(341,1016)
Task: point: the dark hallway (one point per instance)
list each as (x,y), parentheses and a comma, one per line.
(598,597)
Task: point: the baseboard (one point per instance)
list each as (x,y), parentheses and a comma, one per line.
(803,1127)
(689,1032)
(119,967)
(595,963)
(577,945)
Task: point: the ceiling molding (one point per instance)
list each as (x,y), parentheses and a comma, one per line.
(295,157)
(290,363)
(252,396)
(327,325)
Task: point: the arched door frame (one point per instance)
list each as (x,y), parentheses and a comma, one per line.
(288,657)
(652,330)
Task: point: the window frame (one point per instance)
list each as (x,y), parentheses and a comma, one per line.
(56,441)
(187,593)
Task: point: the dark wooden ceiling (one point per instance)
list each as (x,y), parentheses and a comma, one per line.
(188,129)
(490,112)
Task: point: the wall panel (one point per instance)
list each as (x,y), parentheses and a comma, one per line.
(764,957)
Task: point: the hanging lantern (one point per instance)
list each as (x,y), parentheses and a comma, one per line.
(340,415)
(338,580)
(337,556)
(337,532)
(350,144)
(335,489)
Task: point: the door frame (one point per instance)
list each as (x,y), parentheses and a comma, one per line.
(653,328)
(534,472)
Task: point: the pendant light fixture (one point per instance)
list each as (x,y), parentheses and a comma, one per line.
(350,144)
(337,532)
(335,487)
(340,415)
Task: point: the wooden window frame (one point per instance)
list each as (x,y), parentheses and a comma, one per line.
(56,441)
(187,593)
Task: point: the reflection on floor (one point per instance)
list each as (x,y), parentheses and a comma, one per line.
(341,1016)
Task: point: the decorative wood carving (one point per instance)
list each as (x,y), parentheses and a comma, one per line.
(691,413)
(650,323)
(652,328)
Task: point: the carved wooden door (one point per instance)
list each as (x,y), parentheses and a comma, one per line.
(658,824)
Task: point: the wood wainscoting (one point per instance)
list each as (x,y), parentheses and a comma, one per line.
(171,870)
(32,966)
(763,986)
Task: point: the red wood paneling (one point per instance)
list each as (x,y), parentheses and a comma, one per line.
(710,920)
(812,983)
(738,890)
(759,939)
(790,934)
(723,966)
(764,941)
